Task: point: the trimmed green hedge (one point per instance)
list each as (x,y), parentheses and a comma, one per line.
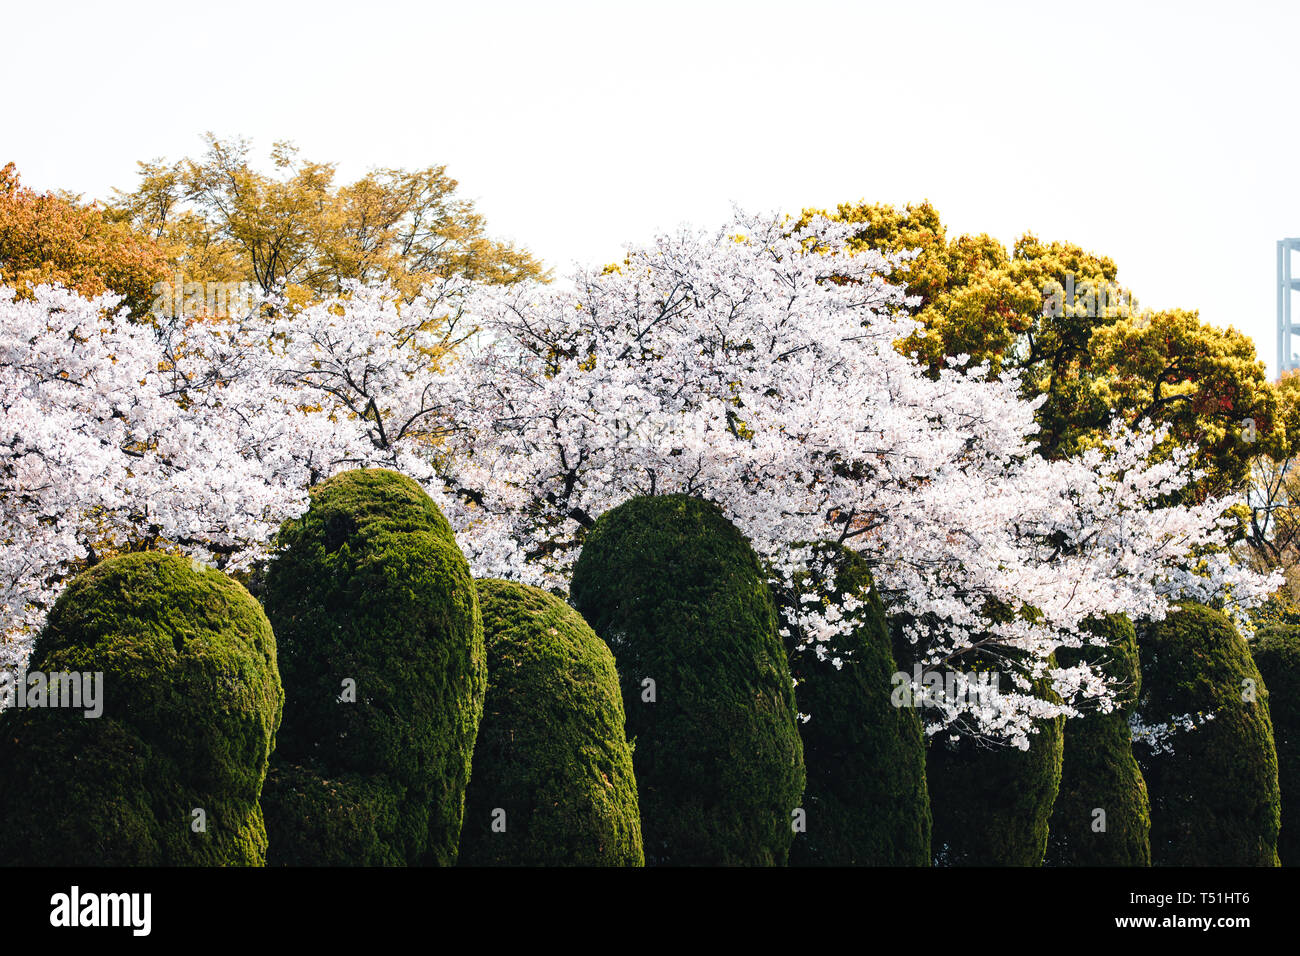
(677,593)
(991,803)
(320,819)
(191,701)
(1099,770)
(1214,799)
(369,587)
(1277,655)
(551,751)
(866,797)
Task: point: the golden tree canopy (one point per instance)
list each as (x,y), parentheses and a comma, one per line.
(220,219)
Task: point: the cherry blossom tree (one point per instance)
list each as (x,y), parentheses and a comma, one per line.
(752,366)
(758,369)
(201,436)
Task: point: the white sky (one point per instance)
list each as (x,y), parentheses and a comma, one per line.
(1165,135)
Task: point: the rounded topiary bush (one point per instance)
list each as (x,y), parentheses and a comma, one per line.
(1214,795)
(1277,655)
(320,819)
(991,802)
(381,653)
(552,762)
(677,593)
(191,700)
(1099,770)
(865,799)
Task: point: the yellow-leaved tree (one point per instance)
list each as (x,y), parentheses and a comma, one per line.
(1056,314)
(221,219)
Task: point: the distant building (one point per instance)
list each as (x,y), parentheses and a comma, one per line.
(1288,351)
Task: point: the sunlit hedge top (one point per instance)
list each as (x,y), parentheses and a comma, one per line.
(676,591)
(369,591)
(191,703)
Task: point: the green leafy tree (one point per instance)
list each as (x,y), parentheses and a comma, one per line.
(1272,532)
(1055,313)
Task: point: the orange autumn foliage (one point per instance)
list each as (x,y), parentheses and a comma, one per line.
(51,237)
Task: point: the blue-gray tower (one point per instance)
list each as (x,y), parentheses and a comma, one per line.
(1287,357)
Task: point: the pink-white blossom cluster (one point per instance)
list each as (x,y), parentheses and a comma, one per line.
(751,366)
(758,369)
(200,436)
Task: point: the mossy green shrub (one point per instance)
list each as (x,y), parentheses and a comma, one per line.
(1276,651)
(677,593)
(191,701)
(866,800)
(1214,796)
(319,819)
(552,762)
(991,802)
(381,653)
(1099,770)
